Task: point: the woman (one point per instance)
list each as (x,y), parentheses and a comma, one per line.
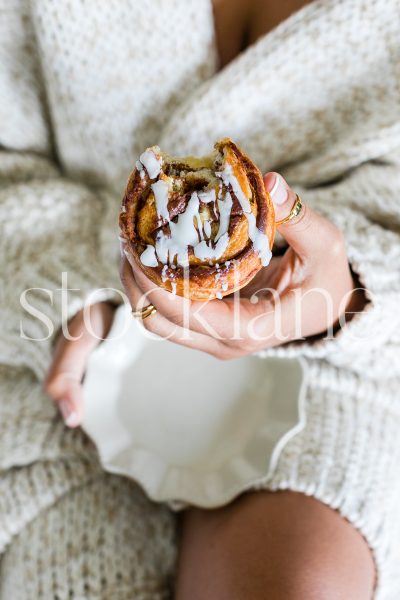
(316,98)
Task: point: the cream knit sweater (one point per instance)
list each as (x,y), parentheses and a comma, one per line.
(85,86)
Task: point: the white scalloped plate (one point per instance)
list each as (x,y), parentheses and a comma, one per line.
(185,426)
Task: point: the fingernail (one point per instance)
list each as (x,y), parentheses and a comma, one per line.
(279,190)
(71,417)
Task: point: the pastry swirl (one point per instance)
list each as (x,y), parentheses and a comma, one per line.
(198,227)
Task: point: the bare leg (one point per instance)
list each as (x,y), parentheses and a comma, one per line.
(275,546)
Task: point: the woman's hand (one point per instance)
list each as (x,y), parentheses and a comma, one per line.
(64,380)
(303,293)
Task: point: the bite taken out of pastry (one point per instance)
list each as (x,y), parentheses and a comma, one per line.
(201,228)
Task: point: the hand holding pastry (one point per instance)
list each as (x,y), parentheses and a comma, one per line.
(302,293)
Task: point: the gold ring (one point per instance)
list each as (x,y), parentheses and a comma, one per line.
(295,210)
(143,313)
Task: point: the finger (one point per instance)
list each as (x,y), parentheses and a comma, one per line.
(202,317)
(265,280)
(245,325)
(63,383)
(160,325)
(64,380)
(308,232)
(221,320)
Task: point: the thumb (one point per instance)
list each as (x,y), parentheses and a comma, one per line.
(304,232)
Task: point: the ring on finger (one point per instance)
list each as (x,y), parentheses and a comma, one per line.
(144,313)
(294,211)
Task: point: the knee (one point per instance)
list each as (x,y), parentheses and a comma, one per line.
(286,581)
(312,582)
(297,571)
(277,546)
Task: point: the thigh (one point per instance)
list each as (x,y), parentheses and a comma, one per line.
(275,546)
(104,540)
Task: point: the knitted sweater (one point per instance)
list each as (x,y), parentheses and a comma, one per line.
(85,87)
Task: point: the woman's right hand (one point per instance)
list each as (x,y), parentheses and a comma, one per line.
(306,292)
(64,380)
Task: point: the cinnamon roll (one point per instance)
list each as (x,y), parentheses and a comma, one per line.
(198,227)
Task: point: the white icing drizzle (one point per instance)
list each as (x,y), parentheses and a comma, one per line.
(215,210)
(206,197)
(259,239)
(229,179)
(205,251)
(224,286)
(140,168)
(200,226)
(173,284)
(152,164)
(164,276)
(219,295)
(207,228)
(160,190)
(183,234)
(148,257)
(224,207)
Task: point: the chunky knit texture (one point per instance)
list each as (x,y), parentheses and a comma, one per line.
(85,87)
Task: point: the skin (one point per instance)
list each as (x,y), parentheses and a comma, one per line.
(239,23)
(275,546)
(64,379)
(316,258)
(280,545)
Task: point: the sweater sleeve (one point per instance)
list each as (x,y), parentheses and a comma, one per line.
(54,231)
(365,206)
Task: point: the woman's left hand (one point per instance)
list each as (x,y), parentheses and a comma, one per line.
(64,380)
(303,293)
